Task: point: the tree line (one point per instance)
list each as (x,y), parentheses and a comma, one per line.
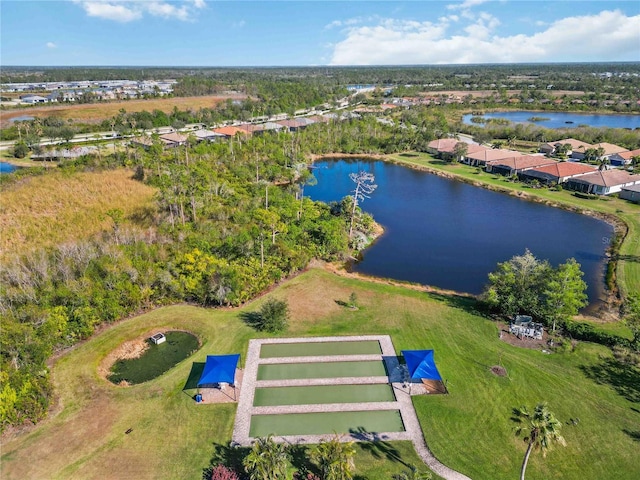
(230,220)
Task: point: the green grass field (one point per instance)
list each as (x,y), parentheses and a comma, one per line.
(469,430)
(326,423)
(289,371)
(628,272)
(316,394)
(320,349)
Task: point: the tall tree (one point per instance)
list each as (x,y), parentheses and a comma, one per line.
(459,151)
(517,285)
(364,188)
(267,460)
(335,459)
(540,430)
(565,292)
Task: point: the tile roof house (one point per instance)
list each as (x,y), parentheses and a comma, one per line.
(607,148)
(603,182)
(623,158)
(517,164)
(481,157)
(174,139)
(442,145)
(208,135)
(557,173)
(229,131)
(473,148)
(550,148)
(631,193)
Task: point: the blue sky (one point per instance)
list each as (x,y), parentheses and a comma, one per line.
(267,33)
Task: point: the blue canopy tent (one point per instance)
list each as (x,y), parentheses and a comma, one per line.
(422,366)
(219,369)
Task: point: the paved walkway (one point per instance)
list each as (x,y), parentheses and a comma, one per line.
(397,377)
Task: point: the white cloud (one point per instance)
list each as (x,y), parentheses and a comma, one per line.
(609,35)
(126,10)
(238,24)
(167,10)
(467,4)
(111,11)
(51,45)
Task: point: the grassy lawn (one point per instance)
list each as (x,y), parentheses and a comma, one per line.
(628,272)
(96,112)
(469,430)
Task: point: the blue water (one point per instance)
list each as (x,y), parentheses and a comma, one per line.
(451,235)
(560,119)
(7,167)
(22,118)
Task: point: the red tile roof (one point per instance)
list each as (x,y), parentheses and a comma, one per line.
(229,131)
(565,169)
(523,162)
(491,154)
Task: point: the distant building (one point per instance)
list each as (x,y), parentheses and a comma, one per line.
(603,182)
(631,193)
(33,99)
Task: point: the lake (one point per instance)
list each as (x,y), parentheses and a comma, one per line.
(7,167)
(450,234)
(560,119)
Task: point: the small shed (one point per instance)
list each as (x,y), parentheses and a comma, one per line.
(158,338)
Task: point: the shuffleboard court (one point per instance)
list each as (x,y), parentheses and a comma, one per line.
(326,423)
(313,349)
(320,394)
(291,371)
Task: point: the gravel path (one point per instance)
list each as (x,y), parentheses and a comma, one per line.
(397,377)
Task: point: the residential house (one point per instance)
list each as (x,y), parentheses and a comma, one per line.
(631,193)
(208,135)
(473,148)
(173,140)
(481,157)
(603,182)
(229,131)
(292,125)
(515,165)
(608,149)
(623,158)
(557,173)
(32,99)
(551,148)
(441,145)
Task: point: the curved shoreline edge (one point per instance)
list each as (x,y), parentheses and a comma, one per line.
(612,295)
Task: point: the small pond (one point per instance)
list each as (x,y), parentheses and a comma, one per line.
(156,359)
(561,119)
(7,167)
(450,234)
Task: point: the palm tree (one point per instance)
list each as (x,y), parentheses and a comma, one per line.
(540,429)
(267,460)
(335,459)
(413,473)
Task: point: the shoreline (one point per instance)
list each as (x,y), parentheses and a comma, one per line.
(607,305)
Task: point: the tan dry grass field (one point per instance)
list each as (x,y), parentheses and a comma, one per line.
(55,208)
(96,112)
(488,93)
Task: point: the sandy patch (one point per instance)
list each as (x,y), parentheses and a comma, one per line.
(127,351)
